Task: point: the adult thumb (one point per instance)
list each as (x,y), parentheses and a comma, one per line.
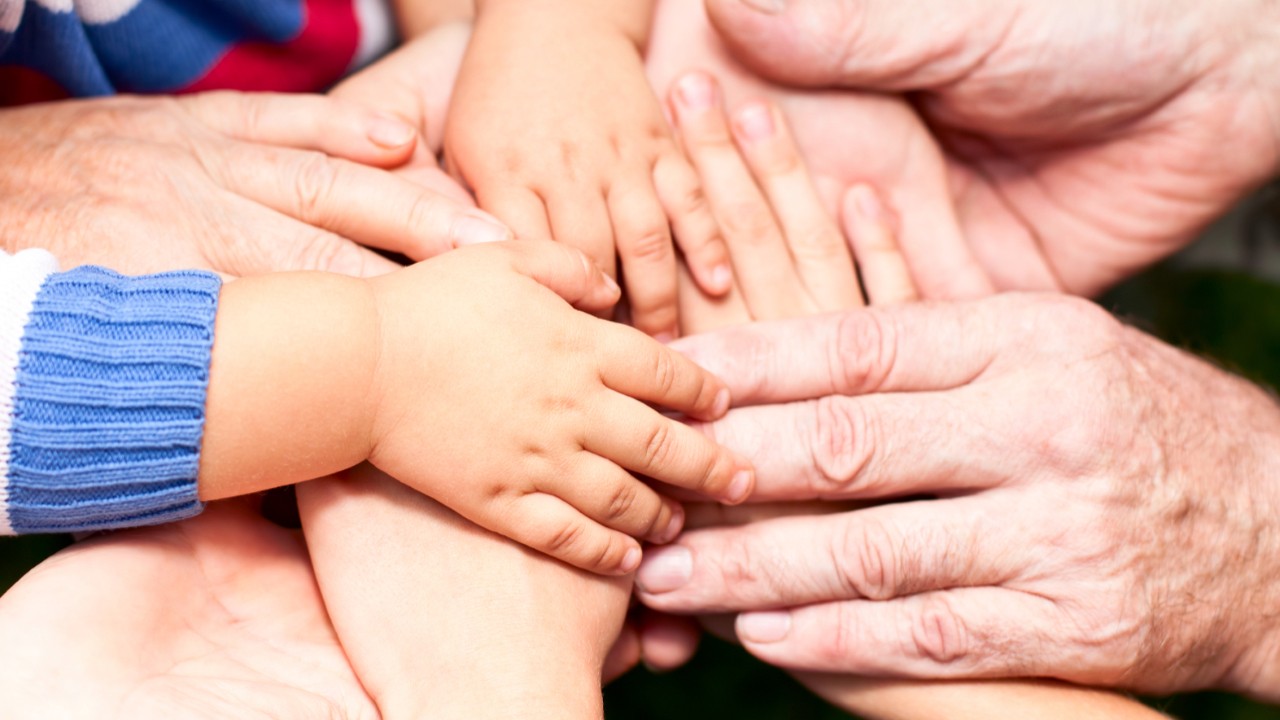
(896,45)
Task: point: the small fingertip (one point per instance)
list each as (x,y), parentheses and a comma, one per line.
(720,279)
(866,202)
(721,404)
(754,122)
(666,337)
(473,229)
(390,133)
(630,561)
(674,526)
(611,285)
(695,92)
(740,487)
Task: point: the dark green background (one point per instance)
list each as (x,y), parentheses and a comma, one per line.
(1231,316)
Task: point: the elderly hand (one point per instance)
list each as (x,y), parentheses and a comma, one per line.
(215,617)
(237,183)
(1086,139)
(1103,506)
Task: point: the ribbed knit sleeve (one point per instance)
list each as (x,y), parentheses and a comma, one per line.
(108,401)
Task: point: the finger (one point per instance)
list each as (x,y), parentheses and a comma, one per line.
(869,446)
(647,255)
(878,553)
(566,271)
(667,641)
(623,656)
(306,122)
(701,313)
(694,226)
(639,439)
(818,248)
(904,348)
(272,242)
(368,205)
(884,270)
(647,370)
(520,208)
(579,218)
(616,499)
(761,262)
(551,526)
(862,43)
(962,633)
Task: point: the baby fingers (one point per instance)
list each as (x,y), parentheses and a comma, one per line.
(552,526)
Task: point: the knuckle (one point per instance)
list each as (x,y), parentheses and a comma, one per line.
(842,447)
(937,632)
(652,245)
(820,243)
(664,371)
(314,180)
(622,500)
(749,222)
(836,648)
(865,558)
(565,539)
(425,215)
(658,446)
(693,200)
(864,352)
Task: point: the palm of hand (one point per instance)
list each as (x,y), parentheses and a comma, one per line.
(215,617)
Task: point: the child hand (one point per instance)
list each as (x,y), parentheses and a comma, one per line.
(494,396)
(554,125)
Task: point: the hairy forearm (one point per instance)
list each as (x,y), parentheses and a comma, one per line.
(632,18)
(293,359)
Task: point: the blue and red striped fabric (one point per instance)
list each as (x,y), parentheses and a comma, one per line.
(52,49)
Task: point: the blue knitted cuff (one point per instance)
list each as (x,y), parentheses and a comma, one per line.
(109,401)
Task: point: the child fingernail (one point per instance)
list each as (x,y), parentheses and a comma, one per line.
(721,278)
(665,338)
(740,487)
(390,133)
(755,122)
(696,92)
(868,203)
(674,527)
(721,405)
(630,561)
(612,285)
(474,230)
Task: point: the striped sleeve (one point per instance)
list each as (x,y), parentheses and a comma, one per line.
(106,384)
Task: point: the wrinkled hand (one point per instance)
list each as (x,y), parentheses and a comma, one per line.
(215,617)
(1104,514)
(1085,140)
(237,183)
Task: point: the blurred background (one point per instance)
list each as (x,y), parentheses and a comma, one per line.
(1219,298)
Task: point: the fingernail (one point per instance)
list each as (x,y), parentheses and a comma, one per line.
(612,284)
(475,230)
(868,203)
(390,133)
(764,627)
(665,569)
(665,337)
(674,527)
(755,122)
(696,91)
(631,560)
(773,7)
(721,405)
(721,277)
(740,487)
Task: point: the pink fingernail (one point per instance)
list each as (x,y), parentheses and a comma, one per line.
(755,122)
(696,92)
(390,133)
(612,284)
(868,203)
(772,7)
(764,627)
(740,488)
(665,569)
(721,278)
(674,527)
(476,230)
(630,561)
(666,338)
(721,405)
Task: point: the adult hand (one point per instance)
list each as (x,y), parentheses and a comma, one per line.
(215,617)
(1085,139)
(1104,512)
(849,139)
(237,183)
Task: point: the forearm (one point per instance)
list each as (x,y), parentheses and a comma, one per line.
(1038,699)
(417,17)
(633,18)
(289,382)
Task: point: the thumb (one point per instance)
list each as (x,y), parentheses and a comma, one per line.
(565,271)
(881,44)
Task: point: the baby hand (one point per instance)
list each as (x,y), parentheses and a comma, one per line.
(554,125)
(495,396)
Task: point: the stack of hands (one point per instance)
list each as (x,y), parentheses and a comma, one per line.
(1002,481)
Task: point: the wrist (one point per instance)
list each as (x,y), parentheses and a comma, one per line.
(293,359)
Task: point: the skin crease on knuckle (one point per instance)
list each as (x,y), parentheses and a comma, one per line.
(864,353)
(842,447)
(865,557)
